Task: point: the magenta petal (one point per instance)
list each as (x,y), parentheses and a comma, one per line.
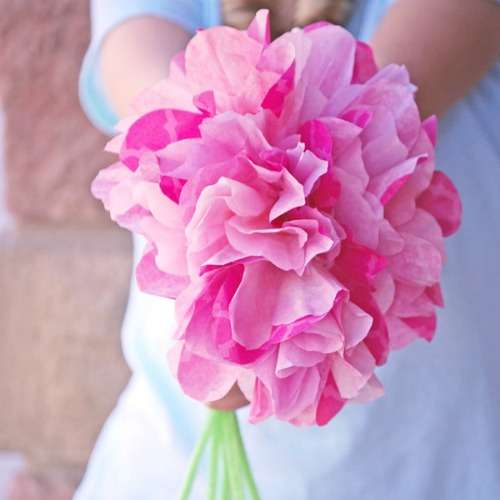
(435,293)
(360,262)
(424,325)
(155,130)
(317,138)
(330,403)
(442,200)
(430,125)
(364,63)
(316,26)
(172,187)
(275,98)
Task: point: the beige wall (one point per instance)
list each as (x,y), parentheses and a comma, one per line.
(64,269)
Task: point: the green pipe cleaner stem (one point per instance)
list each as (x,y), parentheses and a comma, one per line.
(245,465)
(225,484)
(197,454)
(215,457)
(227,452)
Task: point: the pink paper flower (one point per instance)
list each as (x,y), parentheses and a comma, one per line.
(288,194)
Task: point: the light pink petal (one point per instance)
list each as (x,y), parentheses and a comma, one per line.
(343,132)
(354,211)
(311,294)
(251,319)
(329,339)
(151,280)
(425,226)
(356,324)
(291,356)
(201,378)
(373,389)
(260,27)
(281,246)
(291,196)
(347,378)
(386,185)
(331,63)
(400,333)
(384,291)
(234,74)
(382,146)
(390,241)
(261,406)
(170,246)
(307,168)
(107,179)
(419,263)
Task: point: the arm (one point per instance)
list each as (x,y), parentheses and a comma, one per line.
(447,45)
(144,63)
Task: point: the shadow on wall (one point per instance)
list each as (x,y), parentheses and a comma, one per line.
(64,270)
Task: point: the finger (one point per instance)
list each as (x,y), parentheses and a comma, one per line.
(233,400)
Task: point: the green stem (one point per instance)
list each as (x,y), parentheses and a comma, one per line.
(197,454)
(229,460)
(245,465)
(235,455)
(226,491)
(223,430)
(214,459)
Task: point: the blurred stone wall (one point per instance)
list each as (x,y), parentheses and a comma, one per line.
(64,270)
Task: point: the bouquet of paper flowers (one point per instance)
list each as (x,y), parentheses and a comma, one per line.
(288,195)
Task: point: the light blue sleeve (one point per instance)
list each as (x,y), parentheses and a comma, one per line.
(107,14)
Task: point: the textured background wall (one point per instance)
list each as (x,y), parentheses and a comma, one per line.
(51,151)
(64,270)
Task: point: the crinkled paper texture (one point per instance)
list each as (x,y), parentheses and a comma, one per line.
(289,196)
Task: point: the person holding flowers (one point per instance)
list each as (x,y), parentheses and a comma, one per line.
(434,434)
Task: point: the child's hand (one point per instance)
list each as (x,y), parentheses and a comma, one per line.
(233,400)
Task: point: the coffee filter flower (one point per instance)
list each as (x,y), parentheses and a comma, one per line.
(288,193)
